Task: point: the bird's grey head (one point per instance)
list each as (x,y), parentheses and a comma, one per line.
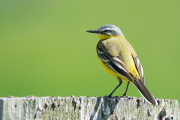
(110,30)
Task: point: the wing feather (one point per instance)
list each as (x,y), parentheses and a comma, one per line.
(139,68)
(114,63)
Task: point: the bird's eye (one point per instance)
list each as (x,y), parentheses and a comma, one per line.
(106,30)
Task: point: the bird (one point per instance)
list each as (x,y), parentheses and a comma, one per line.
(118,58)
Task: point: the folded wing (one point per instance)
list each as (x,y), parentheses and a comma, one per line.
(114,63)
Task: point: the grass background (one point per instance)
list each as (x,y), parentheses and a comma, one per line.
(45,51)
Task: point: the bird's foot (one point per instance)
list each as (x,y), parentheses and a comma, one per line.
(109,96)
(124,95)
(106,97)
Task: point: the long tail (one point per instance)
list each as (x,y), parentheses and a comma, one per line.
(144,92)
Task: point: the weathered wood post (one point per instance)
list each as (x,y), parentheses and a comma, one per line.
(86,108)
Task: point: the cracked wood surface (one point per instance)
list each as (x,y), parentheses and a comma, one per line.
(86,108)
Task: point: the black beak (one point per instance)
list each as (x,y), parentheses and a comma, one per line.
(92,31)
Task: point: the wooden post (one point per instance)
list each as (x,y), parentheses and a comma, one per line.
(86,108)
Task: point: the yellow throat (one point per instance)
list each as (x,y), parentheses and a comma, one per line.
(103,37)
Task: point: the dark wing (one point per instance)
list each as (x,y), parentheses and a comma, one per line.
(114,63)
(139,68)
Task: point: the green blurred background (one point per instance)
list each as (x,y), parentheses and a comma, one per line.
(45,51)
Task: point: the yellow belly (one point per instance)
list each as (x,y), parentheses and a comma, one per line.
(111,71)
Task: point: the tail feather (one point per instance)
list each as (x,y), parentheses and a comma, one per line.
(144,92)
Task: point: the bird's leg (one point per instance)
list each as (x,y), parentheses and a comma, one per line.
(126,90)
(120,82)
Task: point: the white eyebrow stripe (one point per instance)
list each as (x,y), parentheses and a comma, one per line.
(107,29)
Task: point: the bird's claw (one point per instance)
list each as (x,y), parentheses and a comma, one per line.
(109,96)
(124,95)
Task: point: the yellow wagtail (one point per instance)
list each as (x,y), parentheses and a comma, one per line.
(118,58)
